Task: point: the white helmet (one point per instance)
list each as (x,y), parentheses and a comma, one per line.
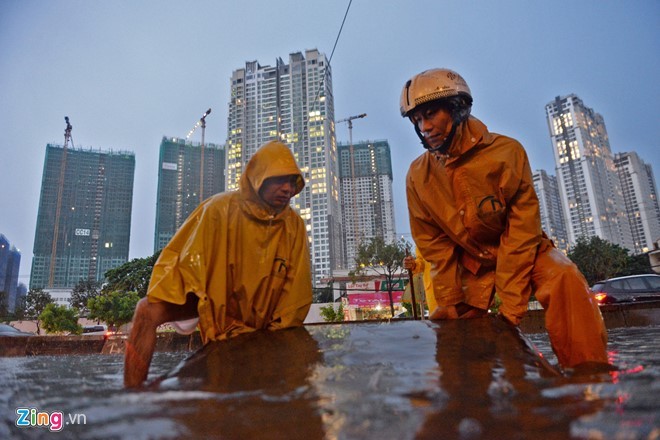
(432,85)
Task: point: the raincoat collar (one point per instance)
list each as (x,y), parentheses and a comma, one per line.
(271,160)
(469,134)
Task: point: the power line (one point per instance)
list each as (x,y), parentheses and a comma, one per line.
(318,92)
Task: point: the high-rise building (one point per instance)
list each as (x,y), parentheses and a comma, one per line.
(10,260)
(552,214)
(588,182)
(84,219)
(183,182)
(292,103)
(365,173)
(640,195)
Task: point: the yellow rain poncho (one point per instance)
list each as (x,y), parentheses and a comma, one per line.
(249,266)
(474,216)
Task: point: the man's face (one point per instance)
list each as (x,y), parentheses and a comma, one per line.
(434,122)
(277,191)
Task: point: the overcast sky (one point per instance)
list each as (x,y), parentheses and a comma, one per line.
(128,73)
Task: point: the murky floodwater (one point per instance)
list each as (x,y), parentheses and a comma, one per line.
(87,391)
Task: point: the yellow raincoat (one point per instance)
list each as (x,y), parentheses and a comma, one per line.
(249,266)
(424,267)
(474,215)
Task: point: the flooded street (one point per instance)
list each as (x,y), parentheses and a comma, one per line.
(406,381)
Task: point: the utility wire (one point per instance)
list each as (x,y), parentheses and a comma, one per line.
(322,83)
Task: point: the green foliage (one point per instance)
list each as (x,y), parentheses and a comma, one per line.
(82,293)
(19,309)
(4,307)
(637,265)
(598,259)
(60,319)
(384,259)
(132,276)
(115,308)
(35,303)
(329,313)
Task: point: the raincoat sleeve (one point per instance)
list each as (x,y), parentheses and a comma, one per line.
(437,248)
(420,264)
(182,265)
(296,298)
(519,242)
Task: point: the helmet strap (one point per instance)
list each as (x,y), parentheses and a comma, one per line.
(442,148)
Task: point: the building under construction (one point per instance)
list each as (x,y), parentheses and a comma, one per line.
(365,172)
(184,181)
(84,219)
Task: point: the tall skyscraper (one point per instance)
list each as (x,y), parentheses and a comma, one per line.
(552,214)
(180,178)
(84,219)
(293,103)
(641,199)
(588,182)
(366,194)
(10,260)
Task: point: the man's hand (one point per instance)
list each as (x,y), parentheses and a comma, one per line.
(409,263)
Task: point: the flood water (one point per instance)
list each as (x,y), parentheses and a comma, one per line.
(87,391)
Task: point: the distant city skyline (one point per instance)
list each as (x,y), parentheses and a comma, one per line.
(125,90)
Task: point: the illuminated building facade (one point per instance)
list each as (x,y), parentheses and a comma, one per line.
(84,217)
(588,182)
(552,214)
(183,183)
(292,103)
(641,199)
(366,192)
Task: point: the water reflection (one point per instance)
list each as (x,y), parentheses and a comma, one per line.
(349,381)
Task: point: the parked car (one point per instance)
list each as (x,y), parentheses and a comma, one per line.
(94,330)
(633,288)
(8,330)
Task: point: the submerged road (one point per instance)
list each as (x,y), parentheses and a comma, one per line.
(476,378)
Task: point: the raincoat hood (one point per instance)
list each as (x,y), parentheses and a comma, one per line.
(273,159)
(248,265)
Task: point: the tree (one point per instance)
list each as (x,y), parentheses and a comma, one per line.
(19,309)
(114,308)
(329,313)
(35,303)
(598,259)
(637,265)
(60,319)
(83,292)
(4,307)
(132,276)
(384,259)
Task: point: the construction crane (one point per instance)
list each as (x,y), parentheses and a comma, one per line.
(349,120)
(58,207)
(200,123)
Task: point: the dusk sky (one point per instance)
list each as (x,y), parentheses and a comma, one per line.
(128,73)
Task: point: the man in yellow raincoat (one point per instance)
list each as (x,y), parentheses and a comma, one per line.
(475,218)
(239,263)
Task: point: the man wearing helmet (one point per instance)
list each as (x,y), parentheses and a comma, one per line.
(475,217)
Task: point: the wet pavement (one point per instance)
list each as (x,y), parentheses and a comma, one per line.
(402,380)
